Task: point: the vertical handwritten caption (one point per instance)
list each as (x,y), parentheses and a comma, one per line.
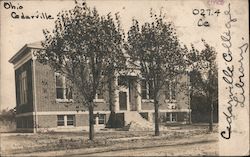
(235,87)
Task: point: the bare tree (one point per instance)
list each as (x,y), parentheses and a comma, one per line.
(82,47)
(158,53)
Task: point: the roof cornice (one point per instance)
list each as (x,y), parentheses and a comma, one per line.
(22,50)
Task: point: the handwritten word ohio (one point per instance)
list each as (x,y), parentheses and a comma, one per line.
(17,12)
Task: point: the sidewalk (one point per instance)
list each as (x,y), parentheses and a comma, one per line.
(123,146)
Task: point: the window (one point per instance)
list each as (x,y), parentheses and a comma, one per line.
(173,90)
(150,89)
(23,87)
(69,92)
(170,90)
(63,90)
(100,119)
(60,120)
(174,117)
(70,120)
(99,94)
(144,89)
(147,89)
(167,91)
(65,120)
(168,117)
(59,87)
(171,117)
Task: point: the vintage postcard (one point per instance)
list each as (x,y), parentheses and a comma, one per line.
(124,78)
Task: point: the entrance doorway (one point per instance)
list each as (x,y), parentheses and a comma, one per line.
(127,93)
(123,100)
(132,95)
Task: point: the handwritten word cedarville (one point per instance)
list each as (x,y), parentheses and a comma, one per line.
(16,14)
(228,73)
(37,15)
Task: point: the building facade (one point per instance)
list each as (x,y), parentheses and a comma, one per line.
(45,102)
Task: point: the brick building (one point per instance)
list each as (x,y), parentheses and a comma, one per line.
(44,102)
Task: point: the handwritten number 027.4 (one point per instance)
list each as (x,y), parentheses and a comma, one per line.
(204,12)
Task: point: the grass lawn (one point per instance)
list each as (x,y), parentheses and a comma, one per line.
(109,139)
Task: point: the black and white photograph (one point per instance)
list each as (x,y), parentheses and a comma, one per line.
(124,78)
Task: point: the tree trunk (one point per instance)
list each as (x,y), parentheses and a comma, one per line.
(91,121)
(211,115)
(210,97)
(112,117)
(112,120)
(157,130)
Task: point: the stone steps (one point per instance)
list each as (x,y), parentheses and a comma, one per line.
(135,122)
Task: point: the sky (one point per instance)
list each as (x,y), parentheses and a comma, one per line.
(15,33)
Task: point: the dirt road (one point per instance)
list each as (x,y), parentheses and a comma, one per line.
(197,149)
(173,142)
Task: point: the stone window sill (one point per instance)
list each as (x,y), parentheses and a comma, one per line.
(70,126)
(64,100)
(170,101)
(99,100)
(147,100)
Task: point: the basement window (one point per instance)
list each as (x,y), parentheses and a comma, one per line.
(171,117)
(60,120)
(100,119)
(65,120)
(70,120)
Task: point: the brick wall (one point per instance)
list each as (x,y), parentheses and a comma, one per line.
(47,121)
(147,105)
(82,120)
(50,121)
(46,93)
(181,97)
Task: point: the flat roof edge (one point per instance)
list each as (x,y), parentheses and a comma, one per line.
(12,59)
